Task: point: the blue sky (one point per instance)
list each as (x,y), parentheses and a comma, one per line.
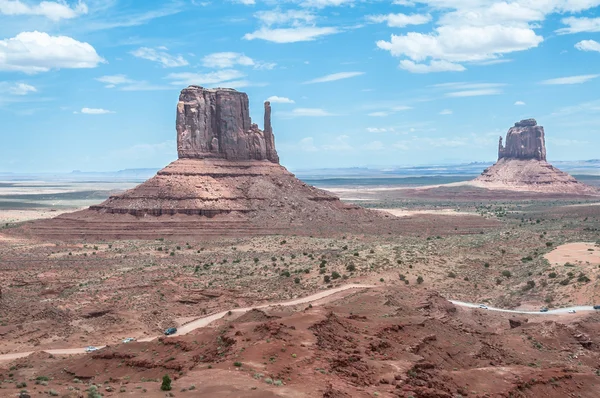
(93,84)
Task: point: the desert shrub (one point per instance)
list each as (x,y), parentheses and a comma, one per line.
(549,244)
(451,274)
(286,273)
(93,392)
(565,282)
(420,279)
(552,275)
(237,364)
(327,279)
(351,267)
(297,280)
(506,274)
(583,278)
(335,275)
(526,259)
(166,383)
(486,265)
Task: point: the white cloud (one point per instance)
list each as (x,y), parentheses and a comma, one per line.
(308,144)
(570,79)
(231,59)
(126,84)
(95,111)
(325,3)
(579,25)
(226,60)
(288,27)
(588,45)
(280,100)
(376,129)
(313,112)
(34,52)
(434,66)
(245,2)
(334,77)
(21,89)
(161,56)
(400,20)
(225,76)
(474,93)
(453,44)
(49,9)
(290,35)
(446,112)
(379,114)
(519,103)
(278,17)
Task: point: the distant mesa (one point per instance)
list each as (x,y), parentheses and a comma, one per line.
(522,165)
(226,182)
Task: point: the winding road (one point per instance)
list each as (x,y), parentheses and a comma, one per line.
(207,320)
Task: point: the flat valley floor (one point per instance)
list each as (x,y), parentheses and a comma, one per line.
(394,335)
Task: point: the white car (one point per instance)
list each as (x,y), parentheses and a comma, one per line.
(571,311)
(128,340)
(91,349)
(483,306)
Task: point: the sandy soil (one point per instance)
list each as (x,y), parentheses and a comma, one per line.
(443,212)
(17,216)
(580,252)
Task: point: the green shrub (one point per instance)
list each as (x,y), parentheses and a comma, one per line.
(327,279)
(506,274)
(420,279)
(237,364)
(166,383)
(335,275)
(552,275)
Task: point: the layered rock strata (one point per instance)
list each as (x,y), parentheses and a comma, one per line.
(522,165)
(217,124)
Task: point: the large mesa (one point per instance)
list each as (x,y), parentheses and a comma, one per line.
(227,181)
(522,165)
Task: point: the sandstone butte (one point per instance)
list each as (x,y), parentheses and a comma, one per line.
(522,165)
(226,182)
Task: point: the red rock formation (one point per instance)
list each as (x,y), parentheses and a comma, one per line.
(522,165)
(226,182)
(216,124)
(524,141)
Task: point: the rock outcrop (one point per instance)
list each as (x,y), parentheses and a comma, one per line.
(524,141)
(226,182)
(216,124)
(522,165)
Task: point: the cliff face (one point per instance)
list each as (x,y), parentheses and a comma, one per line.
(524,141)
(216,124)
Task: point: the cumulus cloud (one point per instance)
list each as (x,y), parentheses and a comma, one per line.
(280,100)
(519,103)
(400,20)
(161,56)
(35,52)
(52,10)
(570,79)
(334,76)
(588,45)
(579,25)
(95,111)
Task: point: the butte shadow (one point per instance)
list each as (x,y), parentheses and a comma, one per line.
(226,182)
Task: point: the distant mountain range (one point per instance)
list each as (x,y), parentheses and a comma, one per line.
(583,167)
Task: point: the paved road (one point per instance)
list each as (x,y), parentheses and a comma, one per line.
(550,312)
(201,322)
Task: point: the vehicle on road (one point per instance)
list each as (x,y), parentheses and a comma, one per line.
(544,309)
(170,331)
(483,306)
(91,349)
(571,311)
(128,340)
(597,307)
